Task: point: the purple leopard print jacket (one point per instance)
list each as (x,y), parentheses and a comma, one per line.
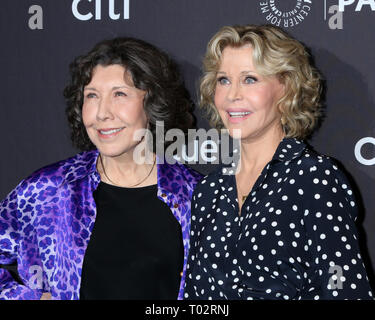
(46,223)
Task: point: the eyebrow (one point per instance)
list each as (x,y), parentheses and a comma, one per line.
(247,71)
(120,87)
(89,88)
(113,88)
(242,72)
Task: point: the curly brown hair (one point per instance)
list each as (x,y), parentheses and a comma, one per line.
(151,69)
(274,53)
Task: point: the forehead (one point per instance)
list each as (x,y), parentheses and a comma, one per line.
(113,72)
(233,57)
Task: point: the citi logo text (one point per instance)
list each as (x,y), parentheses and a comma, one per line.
(88,9)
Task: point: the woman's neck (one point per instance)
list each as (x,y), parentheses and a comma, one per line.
(257,152)
(127,171)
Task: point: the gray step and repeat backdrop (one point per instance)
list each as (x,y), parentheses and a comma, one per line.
(39,38)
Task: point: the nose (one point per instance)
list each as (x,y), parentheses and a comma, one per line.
(234,92)
(104,111)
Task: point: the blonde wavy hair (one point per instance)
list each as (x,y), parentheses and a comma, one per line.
(274,54)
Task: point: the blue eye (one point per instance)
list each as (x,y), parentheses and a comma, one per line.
(223,81)
(120,94)
(250,80)
(90,95)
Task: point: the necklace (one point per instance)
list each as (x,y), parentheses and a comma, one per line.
(101,163)
(241,195)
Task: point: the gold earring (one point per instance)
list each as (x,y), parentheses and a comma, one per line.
(282,120)
(283,124)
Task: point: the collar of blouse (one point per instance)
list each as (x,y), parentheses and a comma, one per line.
(288,150)
(172,188)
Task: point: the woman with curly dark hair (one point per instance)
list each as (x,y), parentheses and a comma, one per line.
(111,222)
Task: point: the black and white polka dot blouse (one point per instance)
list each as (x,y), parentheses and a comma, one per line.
(295,238)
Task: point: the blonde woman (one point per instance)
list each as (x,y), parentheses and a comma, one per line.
(283,226)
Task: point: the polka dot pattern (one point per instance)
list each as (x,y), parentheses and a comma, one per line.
(295,238)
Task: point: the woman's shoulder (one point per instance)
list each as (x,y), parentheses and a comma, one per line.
(312,161)
(217,175)
(69,169)
(318,171)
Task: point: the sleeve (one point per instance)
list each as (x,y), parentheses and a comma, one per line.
(189,292)
(10,235)
(337,270)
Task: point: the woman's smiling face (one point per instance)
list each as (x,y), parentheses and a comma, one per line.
(113,110)
(245,99)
